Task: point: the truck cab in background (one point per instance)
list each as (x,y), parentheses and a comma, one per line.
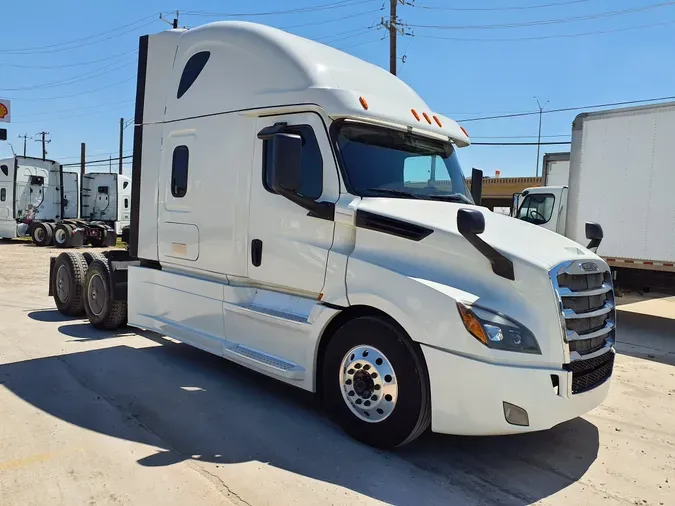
(545,206)
(34,193)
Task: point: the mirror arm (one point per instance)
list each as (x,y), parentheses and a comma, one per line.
(322,210)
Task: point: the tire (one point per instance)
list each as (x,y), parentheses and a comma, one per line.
(42,234)
(102,311)
(408,386)
(63,236)
(67,283)
(90,256)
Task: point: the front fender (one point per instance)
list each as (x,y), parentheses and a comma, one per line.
(427,311)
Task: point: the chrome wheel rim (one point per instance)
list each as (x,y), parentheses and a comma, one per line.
(62,283)
(60,236)
(368,384)
(96,294)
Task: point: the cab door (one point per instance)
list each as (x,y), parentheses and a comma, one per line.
(287,245)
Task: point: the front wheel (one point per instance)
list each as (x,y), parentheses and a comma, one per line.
(375,383)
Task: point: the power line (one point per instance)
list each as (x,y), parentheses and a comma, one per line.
(53,47)
(508,8)
(72,80)
(542,22)
(71,109)
(331,20)
(297,10)
(77,94)
(115,158)
(342,48)
(567,109)
(344,37)
(342,33)
(544,37)
(61,118)
(66,65)
(520,143)
(59,49)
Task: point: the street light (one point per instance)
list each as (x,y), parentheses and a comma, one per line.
(541,110)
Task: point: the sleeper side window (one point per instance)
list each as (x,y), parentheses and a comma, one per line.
(193,68)
(179,171)
(311,171)
(5,170)
(3,194)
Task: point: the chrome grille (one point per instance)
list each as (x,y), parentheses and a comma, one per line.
(586,299)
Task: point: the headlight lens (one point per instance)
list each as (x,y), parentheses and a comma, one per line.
(497,331)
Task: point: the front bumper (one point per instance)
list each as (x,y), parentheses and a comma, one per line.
(467,395)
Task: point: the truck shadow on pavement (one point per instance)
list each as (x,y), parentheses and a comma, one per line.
(197,406)
(50,315)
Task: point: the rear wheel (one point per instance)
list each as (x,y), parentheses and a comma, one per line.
(375,383)
(103,312)
(67,282)
(42,234)
(90,256)
(63,235)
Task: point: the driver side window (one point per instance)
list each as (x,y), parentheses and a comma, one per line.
(537,208)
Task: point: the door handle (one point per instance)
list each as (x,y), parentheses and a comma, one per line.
(256,252)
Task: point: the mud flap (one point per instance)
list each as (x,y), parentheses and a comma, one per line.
(52,261)
(77,238)
(110,237)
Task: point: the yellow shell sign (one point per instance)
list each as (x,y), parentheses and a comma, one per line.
(4,111)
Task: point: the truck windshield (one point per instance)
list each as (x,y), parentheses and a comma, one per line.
(383,162)
(537,208)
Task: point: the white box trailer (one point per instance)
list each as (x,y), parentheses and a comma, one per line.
(622,174)
(278,221)
(34,194)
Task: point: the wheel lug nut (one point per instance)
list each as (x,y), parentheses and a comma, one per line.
(358,401)
(373,375)
(367,403)
(357,366)
(366,367)
(348,382)
(351,371)
(373,398)
(351,393)
(376,387)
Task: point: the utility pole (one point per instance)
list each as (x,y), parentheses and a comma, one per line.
(121,143)
(83,155)
(44,141)
(541,110)
(394,27)
(24,137)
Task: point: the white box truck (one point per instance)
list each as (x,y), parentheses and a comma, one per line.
(277,221)
(556,169)
(34,195)
(627,157)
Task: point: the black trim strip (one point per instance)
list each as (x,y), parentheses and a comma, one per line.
(391,226)
(138,145)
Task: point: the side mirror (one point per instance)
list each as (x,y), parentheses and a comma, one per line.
(470,222)
(477,186)
(286,162)
(594,234)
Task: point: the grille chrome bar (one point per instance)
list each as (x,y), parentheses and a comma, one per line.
(570,314)
(566,292)
(574,336)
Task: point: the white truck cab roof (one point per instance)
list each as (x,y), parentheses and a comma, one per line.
(252,66)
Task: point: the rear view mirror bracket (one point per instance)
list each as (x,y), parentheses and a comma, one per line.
(471,223)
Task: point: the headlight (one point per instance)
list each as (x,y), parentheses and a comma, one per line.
(497,331)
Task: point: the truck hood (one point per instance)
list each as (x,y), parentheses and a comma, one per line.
(514,238)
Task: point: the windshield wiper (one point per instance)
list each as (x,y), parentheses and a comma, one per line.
(391,191)
(455,197)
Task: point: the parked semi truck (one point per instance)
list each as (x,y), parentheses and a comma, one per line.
(276,221)
(627,156)
(34,195)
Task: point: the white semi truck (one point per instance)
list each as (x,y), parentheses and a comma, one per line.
(277,221)
(627,156)
(106,197)
(34,194)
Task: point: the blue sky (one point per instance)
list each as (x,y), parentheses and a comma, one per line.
(78,91)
